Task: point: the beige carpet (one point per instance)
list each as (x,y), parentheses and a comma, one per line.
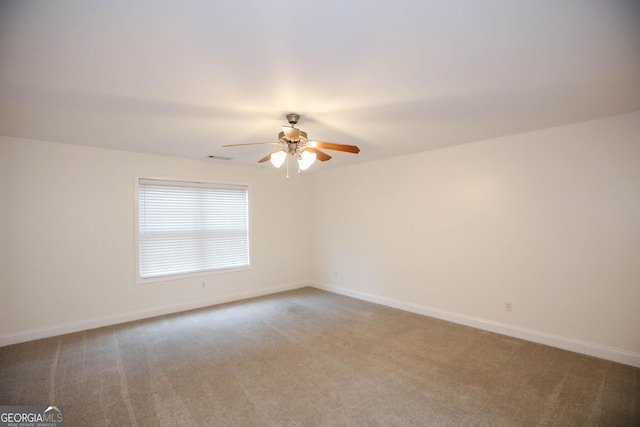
(312,358)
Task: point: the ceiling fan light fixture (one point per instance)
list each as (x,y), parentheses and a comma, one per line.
(277,158)
(306,159)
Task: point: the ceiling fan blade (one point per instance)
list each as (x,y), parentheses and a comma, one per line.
(291,133)
(268,156)
(334,146)
(251,143)
(323,157)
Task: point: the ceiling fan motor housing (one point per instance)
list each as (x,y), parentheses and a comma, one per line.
(302,134)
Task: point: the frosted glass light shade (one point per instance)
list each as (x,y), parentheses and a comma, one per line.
(306,159)
(277,158)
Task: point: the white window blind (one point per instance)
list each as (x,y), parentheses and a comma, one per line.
(190,227)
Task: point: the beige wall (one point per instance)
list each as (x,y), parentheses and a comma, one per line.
(68,228)
(549,220)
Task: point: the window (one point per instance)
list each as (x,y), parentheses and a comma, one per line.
(191,227)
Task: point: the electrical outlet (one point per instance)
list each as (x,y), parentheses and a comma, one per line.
(508,306)
(204,285)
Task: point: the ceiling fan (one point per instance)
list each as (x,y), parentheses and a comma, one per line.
(294,141)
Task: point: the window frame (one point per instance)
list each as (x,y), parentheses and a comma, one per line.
(144,280)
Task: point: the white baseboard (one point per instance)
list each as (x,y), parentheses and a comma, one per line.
(609,353)
(614,354)
(83,325)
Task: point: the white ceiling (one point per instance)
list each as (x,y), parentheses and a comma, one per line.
(185,77)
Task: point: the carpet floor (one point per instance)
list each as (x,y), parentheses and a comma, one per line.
(313,358)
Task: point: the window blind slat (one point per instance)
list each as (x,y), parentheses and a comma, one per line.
(191,227)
